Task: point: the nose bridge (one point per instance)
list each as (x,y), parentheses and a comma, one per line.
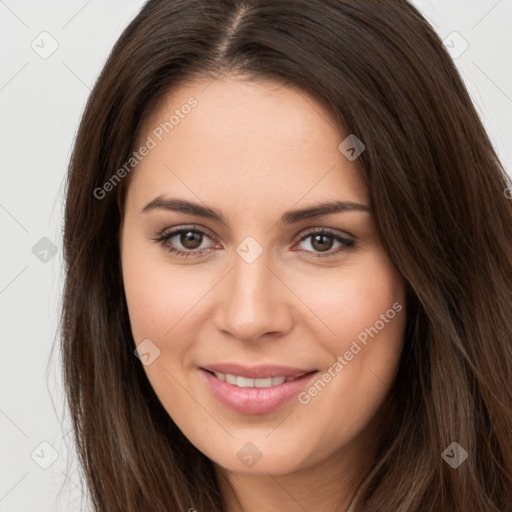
(250,281)
(252,304)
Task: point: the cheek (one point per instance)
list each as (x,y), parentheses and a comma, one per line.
(366,311)
(363,315)
(351,299)
(159,295)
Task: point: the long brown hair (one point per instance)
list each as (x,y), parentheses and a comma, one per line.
(437,191)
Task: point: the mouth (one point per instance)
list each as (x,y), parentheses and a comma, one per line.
(255,390)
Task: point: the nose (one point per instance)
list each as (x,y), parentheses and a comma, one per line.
(253,302)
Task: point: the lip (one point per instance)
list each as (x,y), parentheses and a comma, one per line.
(255,400)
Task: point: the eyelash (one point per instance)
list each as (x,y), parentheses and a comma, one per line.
(346,243)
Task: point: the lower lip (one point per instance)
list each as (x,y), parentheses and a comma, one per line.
(255,400)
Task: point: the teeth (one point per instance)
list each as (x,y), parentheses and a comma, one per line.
(244,382)
(279,380)
(230,379)
(263,383)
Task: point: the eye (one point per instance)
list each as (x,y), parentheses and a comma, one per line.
(188,241)
(184,241)
(322,240)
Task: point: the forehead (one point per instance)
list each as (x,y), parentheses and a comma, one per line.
(232,137)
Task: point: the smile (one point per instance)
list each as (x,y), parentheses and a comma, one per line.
(258,391)
(244,382)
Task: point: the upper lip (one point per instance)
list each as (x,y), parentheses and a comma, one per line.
(256,372)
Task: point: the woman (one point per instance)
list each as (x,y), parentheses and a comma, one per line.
(288,284)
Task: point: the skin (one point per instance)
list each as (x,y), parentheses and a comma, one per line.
(254,150)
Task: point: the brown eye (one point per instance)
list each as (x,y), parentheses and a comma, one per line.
(186,241)
(319,243)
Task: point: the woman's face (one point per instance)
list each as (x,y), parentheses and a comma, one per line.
(254,291)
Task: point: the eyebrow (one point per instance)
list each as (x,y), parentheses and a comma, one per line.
(289,217)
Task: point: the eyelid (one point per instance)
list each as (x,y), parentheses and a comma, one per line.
(323,230)
(187,227)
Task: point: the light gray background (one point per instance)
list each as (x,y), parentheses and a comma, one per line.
(41,101)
